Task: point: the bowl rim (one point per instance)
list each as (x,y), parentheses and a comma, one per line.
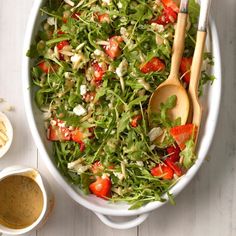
(29,36)
(9,128)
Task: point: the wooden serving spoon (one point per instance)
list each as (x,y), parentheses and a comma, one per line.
(173,86)
(196,67)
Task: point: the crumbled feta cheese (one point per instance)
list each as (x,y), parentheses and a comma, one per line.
(108,2)
(79,110)
(121,70)
(83,89)
(140,163)
(157,27)
(155,133)
(119,5)
(69,2)
(51,20)
(119,175)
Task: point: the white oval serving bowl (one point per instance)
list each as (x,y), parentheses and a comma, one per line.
(102,208)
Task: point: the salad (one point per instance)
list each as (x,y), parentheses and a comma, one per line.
(95,66)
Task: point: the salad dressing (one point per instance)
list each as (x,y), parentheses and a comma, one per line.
(21,201)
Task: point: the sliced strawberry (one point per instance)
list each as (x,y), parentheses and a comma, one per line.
(101,187)
(174,167)
(155,64)
(135,121)
(62,44)
(44,66)
(98,72)
(113,50)
(167,16)
(183,133)
(103,18)
(172,4)
(162,171)
(185,66)
(82,146)
(58,131)
(77,136)
(60,32)
(173,152)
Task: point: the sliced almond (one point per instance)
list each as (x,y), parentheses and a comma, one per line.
(2,127)
(2,142)
(3,136)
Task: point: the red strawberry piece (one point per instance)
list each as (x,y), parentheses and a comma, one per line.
(177,170)
(101,187)
(162,171)
(155,64)
(185,67)
(173,152)
(183,133)
(113,50)
(135,121)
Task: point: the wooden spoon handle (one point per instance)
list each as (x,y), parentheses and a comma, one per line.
(178,45)
(195,77)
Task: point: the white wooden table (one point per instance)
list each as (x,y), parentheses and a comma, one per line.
(206,207)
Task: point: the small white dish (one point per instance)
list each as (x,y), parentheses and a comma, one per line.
(9,133)
(48,198)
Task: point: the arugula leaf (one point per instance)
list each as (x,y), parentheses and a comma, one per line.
(123,122)
(137,101)
(188,154)
(194,10)
(162,118)
(205,78)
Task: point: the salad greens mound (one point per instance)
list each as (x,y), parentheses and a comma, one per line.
(95,65)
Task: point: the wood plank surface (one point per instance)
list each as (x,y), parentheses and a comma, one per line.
(206,207)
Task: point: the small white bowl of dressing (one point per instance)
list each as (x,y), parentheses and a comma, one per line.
(6,134)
